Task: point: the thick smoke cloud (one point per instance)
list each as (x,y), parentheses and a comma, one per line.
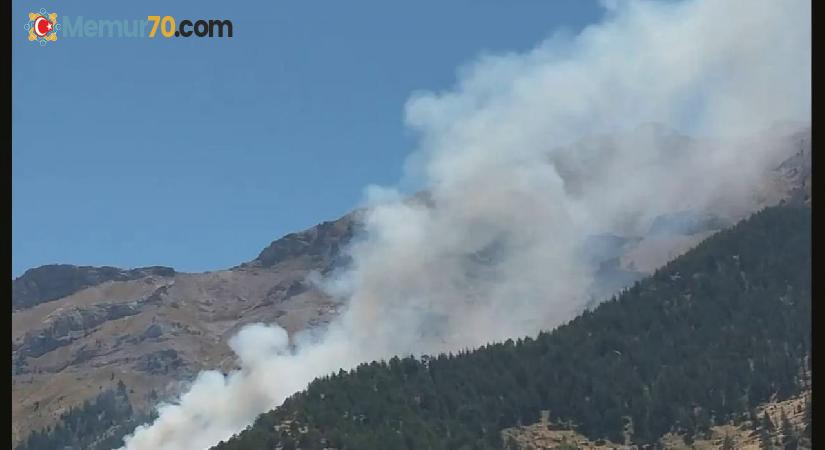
(493,250)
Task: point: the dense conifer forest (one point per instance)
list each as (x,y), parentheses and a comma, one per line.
(703,341)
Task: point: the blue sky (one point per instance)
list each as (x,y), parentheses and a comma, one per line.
(196,153)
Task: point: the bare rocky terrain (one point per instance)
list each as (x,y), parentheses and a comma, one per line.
(79,330)
(745,435)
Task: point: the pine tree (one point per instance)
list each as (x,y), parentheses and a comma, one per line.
(765,441)
(767,423)
(512,444)
(807,419)
(728,443)
(787,429)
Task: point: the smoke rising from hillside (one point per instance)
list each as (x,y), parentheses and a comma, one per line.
(494,250)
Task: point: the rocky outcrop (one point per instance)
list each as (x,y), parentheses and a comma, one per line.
(323,243)
(66,325)
(161,362)
(51,282)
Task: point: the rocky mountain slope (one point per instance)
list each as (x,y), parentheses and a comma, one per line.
(79,330)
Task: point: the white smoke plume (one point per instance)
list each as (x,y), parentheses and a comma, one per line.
(493,251)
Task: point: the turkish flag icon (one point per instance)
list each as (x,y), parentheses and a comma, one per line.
(42,26)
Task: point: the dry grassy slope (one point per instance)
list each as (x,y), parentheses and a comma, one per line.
(541,437)
(156,331)
(744,436)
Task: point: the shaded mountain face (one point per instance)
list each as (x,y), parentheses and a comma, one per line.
(78,330)
(51,282)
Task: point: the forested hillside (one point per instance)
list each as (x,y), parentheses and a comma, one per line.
(706,339)
(99,424)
